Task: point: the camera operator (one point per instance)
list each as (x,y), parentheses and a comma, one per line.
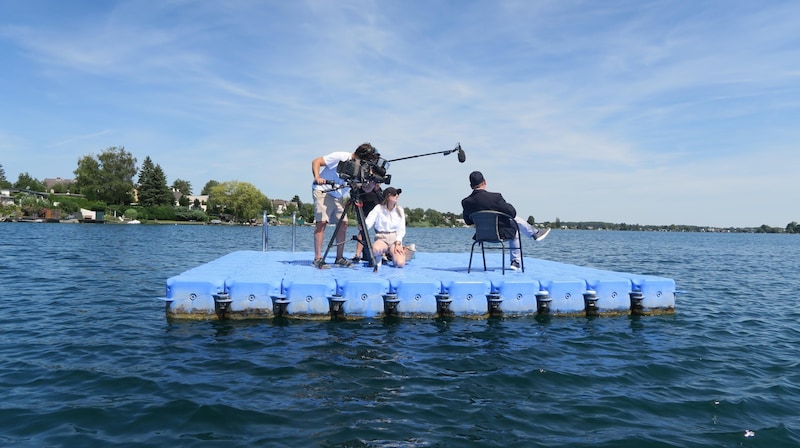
(329,191)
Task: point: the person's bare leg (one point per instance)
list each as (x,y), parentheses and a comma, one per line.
(398,256)
(340,240)
(319,236)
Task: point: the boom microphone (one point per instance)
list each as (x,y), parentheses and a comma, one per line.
(461,156)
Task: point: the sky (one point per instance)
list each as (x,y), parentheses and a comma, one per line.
(640,112)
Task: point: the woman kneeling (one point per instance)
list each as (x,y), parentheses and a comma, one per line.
(389,222)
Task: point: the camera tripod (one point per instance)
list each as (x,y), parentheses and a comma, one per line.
(354,202)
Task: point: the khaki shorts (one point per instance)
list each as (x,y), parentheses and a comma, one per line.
(327,208)
(387,237)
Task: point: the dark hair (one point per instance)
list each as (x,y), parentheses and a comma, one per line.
(365,151)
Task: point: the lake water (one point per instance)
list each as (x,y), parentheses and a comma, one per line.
(87,357)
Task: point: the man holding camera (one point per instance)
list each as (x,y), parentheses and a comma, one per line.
(329,191)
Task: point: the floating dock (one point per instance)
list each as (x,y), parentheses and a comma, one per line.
(253,284)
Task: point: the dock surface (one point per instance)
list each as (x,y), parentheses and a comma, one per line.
(253,284)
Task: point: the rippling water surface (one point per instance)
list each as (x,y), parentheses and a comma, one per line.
(87,357)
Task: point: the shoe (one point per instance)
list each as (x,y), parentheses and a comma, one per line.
(319,263)
(541,234)
(356,259)
(344,262)
(514,265)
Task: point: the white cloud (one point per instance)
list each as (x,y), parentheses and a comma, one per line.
(640,112)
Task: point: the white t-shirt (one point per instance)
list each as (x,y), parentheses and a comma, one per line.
(328,172)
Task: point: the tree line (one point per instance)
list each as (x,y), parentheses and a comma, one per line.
(106,183)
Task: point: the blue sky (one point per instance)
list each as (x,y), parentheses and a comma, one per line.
(643,112)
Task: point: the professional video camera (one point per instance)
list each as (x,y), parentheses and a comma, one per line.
(369,168)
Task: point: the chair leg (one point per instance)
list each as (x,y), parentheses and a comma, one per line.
(469,267)
(483,251)
(503,258)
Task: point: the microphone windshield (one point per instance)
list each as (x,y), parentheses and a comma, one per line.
(461,156)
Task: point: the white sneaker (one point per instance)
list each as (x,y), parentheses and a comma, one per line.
(541,234)
(514,265)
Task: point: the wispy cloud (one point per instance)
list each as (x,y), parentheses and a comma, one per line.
(615,111)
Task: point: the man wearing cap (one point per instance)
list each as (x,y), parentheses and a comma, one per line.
(389,221)
(329,191)
(480,199)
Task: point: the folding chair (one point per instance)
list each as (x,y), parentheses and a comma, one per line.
(487,230)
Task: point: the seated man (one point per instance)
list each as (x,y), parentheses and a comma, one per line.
(480,199)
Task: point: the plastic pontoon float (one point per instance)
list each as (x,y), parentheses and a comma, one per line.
(264,284)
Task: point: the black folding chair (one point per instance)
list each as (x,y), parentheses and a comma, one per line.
(487,230)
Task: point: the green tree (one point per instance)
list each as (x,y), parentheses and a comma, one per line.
(765,229)
(414,215)
(4,183)
(184,186)
(153,189)
(60,188)
(267,206)
(307,212)
(242,200)
(26,182)
(186,214)
(207,188)
(30,205)
(296,199)
(107,178)
(88,177)
(118,167)
(434,218)
(131,213)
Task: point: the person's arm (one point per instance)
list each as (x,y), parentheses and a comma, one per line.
(369,221)
(316,165)
(465,212)
(401,230)
(505,207)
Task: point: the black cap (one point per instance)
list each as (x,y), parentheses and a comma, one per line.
(391,190)
(475,179)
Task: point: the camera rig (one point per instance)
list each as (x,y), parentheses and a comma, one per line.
(368,169)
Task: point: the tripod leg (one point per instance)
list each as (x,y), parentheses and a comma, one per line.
(365,239)
(336,230)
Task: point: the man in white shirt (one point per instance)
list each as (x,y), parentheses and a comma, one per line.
(329,191)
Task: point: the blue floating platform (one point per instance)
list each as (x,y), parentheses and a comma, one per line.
(252,284)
